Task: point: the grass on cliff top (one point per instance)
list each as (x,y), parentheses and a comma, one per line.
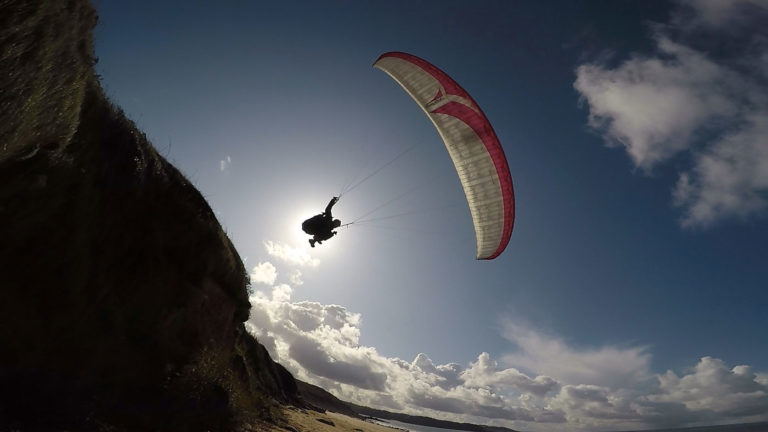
(45,63)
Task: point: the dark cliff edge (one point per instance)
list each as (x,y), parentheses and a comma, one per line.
(322,399)
(122,300)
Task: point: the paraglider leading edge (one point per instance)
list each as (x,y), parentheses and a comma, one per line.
(477,155)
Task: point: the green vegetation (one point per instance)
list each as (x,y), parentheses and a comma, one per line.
(40,104)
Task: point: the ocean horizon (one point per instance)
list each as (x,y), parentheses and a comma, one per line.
(415,428)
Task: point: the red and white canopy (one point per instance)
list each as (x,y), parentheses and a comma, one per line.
(471,143)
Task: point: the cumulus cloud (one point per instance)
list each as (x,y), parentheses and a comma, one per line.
(320,343)
(688,99)
(446,376)
(544,384)
(541,383)
(728,178)
(653,106)
(710,393)
(290,254)
(550,356)
(295,277)
(762,378)
(321,339)
(263,272)
(486,373)
(713,387)
(281,293)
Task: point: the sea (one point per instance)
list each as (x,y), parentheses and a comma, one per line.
(414,428)
(746,427)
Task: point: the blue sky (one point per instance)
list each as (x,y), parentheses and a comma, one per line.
(632,293)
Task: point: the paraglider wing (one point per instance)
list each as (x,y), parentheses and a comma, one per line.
(471,143)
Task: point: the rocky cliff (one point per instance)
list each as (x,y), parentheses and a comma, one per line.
(122,300)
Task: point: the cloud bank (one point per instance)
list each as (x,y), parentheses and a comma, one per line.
(606,366)
(696,101)
(542,383)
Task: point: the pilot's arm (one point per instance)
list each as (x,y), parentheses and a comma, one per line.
(334,200)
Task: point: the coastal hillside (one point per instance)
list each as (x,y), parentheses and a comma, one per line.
(122,299)
(425,421)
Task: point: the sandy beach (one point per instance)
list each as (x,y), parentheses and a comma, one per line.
(300,420)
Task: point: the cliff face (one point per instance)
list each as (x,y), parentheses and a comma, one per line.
(121,298)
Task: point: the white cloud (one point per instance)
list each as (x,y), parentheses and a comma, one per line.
(762,378)
(697,102)
(486,373)
(264,272)
(730,178)
(565,388)
(604,366)
(713,387)
(446,376)
(543,383)
(295,277)
(320,343)
(712,393)
(653,106)
(225,163)
(281,293)
(316,338)
(294,255)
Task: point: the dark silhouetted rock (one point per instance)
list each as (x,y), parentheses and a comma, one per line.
(322,399)
(326,421)
(122,299)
